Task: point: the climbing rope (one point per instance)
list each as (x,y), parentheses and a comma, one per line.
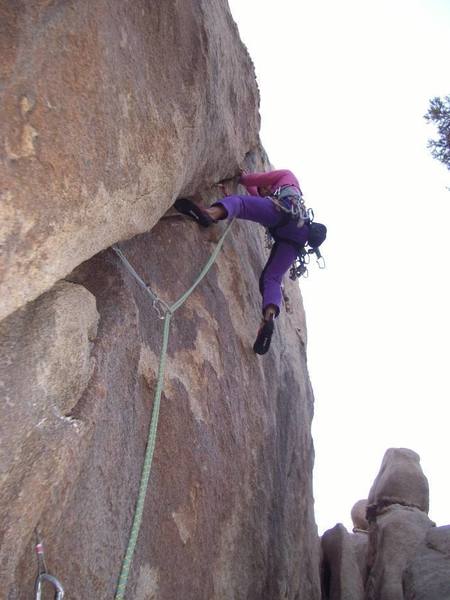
(165,312)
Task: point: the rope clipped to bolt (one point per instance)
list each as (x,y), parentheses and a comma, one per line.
(164,311)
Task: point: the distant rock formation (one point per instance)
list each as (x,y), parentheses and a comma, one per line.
(407,557)
(400,481)
(344,560)
(427,575)
(396,535)
(359,516)
(111,109)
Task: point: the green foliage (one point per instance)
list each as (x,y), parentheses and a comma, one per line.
(439,115)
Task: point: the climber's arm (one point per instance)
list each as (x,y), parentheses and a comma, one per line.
(252,190)
(270,179)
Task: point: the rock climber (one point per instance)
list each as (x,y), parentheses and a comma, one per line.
(274,201)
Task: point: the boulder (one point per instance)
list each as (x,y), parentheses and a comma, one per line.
(360,543)
(341,573)
(427,576)
(45,366)
(399,481)
(358,515)
(394,539)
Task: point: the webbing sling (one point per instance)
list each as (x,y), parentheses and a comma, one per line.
(151,440)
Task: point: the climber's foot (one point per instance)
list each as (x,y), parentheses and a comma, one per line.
(197,213)
(264,337)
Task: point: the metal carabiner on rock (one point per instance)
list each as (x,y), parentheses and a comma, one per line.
(157,309)
(160,308)
(59,591)
(43,575)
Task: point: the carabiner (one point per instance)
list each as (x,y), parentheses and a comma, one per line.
(321,262)
(59,591)
(320,259)
(160,308)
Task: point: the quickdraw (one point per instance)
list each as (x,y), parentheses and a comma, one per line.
(159,306)
(300,266)
(44,576)
(59,591)
(289,200)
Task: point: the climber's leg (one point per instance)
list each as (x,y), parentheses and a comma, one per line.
(281,258)
(192,210)
(264,337)
(251,208)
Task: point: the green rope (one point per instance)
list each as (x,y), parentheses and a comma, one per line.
(176,305)
(143,485)
(151,441)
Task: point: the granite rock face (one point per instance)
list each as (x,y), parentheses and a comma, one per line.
(400,552)
(229,511)
(110,110)
(395,539)
(427,576)
(400,481)
(359,515)
(343,563)
(45,366)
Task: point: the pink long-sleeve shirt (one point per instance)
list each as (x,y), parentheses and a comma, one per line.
(272,179)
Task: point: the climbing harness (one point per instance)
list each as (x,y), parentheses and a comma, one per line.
(289,199)
(166,312)
(44,576)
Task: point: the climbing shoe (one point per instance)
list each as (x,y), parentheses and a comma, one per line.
(190,209)
(262,343)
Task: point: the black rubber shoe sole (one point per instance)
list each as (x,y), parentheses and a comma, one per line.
(190,209)
(262,343)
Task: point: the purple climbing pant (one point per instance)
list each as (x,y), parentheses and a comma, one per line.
(263,211)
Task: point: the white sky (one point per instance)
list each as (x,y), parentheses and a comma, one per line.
(344,87)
